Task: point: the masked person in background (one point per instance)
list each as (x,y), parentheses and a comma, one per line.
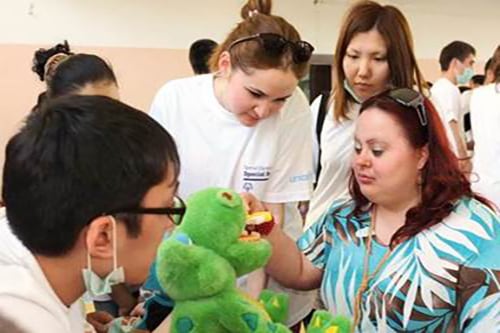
(456,61)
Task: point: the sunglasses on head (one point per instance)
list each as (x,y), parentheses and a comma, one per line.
(275,45)
(410,98)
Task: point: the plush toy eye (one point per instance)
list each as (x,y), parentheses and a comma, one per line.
(227,198)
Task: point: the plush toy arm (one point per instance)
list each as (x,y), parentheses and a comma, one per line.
(187,271)
(246,257)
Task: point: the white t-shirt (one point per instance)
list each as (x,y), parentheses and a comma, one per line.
(485,121)
(337,147)
(272,160)
(446,98)
(26,297)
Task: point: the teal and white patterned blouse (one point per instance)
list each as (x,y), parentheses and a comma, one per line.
(445,279)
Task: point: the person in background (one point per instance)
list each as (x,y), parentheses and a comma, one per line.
(488,72)
(374,52)
(66,73)
(465,94)
(89,186)
(45,61)
(485,121)
(476,81)
(415,249)
(199,55)
(456,60)
(243,127)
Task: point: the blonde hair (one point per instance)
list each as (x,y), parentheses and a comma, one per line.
(257,18)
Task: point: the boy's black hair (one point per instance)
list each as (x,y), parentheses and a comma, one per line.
(456,49)
(80,157)
(199,55)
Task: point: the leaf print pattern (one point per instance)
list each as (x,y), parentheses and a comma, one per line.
(445,279)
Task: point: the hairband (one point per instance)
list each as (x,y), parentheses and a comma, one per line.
(52,63)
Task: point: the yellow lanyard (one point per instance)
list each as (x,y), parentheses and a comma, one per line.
(366,267)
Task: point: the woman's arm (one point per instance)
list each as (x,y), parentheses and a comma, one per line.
(289,266)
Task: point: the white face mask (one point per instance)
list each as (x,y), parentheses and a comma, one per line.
(351,92)
(97,286)
(465,76)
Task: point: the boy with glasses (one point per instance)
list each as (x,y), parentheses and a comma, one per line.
(89,186)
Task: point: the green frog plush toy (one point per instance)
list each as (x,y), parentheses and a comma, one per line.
(198,264)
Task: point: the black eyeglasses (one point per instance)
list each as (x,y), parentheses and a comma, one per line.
(410,98)
(175,213)
(275,45)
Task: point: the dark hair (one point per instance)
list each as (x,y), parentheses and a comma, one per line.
(42,55)
(72,73)
(495,65)
(77,158)
(487,65)
(391,24)
(463,89)
(442,181)
(478,79)
(456,49)
(257,18)
(199,55)
(77,71)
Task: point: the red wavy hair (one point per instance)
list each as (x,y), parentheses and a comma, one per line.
(442,181)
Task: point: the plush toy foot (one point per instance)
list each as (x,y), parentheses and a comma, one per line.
(325,322)
(275,304)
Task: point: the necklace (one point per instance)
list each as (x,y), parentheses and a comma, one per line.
(367,277)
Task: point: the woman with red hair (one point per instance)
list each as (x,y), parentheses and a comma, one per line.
(415,249)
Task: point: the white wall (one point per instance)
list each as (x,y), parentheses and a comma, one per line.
(146,40)
(174,24)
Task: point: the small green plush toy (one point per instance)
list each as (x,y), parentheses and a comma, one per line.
(197,267)
(324,322)
(275,304)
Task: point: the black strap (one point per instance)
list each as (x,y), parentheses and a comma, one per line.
(320,120)
(156,314)
(467,123)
